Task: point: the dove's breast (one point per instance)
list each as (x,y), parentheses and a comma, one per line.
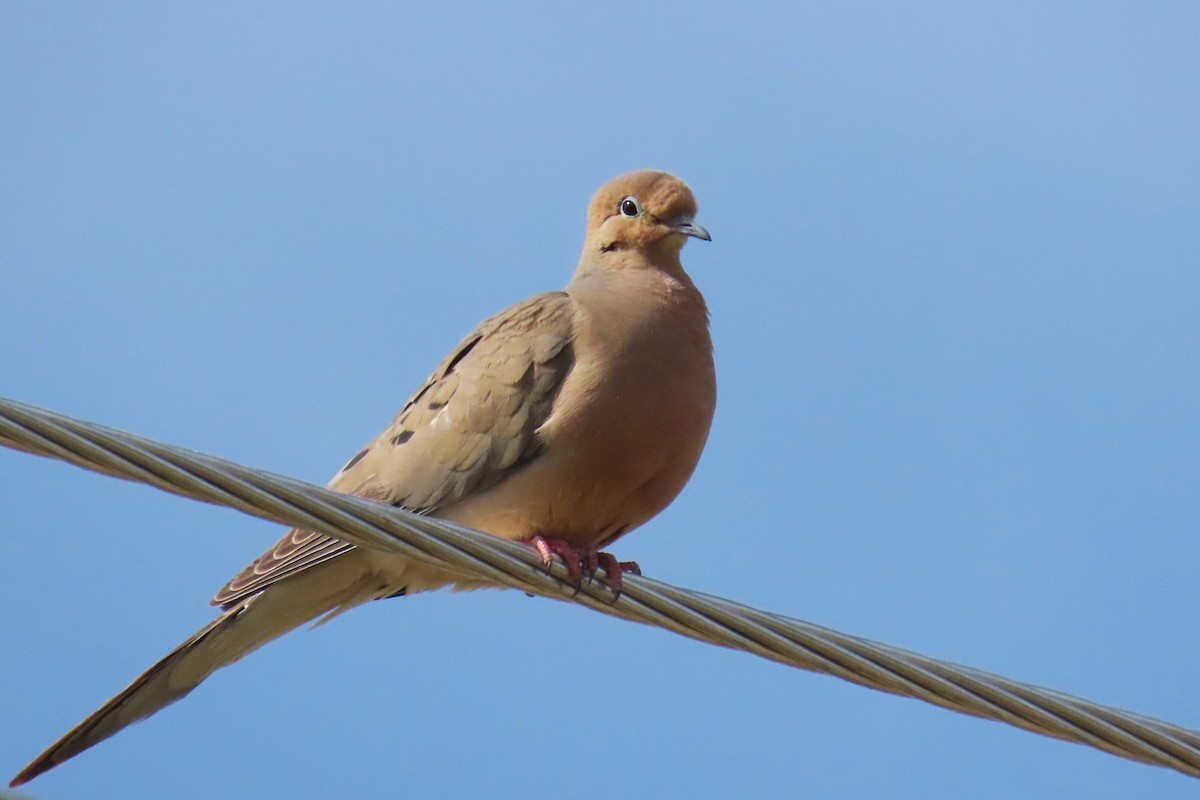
(628,426)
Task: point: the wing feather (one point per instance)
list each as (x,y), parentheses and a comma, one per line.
(472,423)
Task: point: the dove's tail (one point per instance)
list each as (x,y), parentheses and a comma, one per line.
(240,630)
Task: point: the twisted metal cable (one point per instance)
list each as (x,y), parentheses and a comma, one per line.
(698,616)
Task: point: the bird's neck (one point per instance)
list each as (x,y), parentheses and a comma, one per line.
(636,309)
(636,285)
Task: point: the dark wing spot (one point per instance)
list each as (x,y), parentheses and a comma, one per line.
(461,354)
(416,397)
(402,437)
(356,459)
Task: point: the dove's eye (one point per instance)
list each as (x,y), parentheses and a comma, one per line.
(630,207)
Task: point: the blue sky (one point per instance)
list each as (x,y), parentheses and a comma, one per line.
(954,285)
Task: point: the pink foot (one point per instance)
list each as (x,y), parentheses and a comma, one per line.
(549,548)
(614,570)
(580,561)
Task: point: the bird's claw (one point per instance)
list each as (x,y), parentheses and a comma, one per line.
(580,561)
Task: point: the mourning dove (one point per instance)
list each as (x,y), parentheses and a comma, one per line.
(565,421)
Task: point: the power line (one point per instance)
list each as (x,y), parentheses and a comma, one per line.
(699,616)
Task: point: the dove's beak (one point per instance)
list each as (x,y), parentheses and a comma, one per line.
(686,226)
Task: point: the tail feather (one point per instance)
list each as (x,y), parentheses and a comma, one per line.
(149,692)
(240,630)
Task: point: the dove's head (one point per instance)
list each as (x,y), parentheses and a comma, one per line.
(646,212)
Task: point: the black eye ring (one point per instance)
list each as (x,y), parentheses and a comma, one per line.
(630,207)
